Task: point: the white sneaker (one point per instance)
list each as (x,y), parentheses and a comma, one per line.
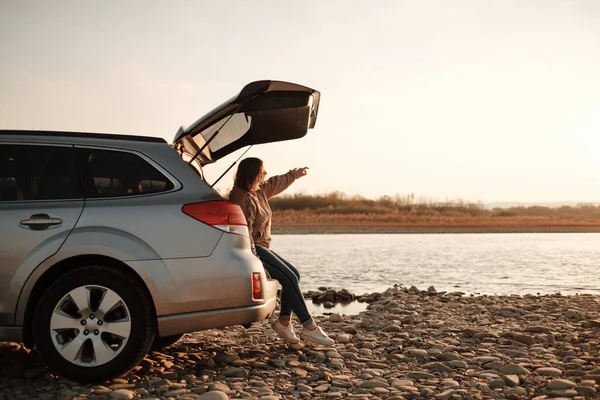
(317,336)
(286,332)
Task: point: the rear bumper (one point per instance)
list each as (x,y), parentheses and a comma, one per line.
(176,324)
(11,334)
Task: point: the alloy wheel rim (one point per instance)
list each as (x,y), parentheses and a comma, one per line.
(90,326)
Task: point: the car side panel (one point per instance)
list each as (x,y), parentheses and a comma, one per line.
(157,221)
(112,243)
(24,249)
(223,280)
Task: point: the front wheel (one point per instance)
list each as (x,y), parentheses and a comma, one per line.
(93,324)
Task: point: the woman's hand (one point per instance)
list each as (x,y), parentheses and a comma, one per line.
(299,172)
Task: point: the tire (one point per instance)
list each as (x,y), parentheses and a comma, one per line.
(161,343)
(99,350)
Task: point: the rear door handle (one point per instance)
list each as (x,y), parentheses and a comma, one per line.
(39,222)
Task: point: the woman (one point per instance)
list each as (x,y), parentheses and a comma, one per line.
(252,193)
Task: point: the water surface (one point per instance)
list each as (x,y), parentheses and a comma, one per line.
(471,263)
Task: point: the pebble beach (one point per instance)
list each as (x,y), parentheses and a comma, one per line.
(407,344)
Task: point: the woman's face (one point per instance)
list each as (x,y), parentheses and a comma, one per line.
(262,174)
(261,177)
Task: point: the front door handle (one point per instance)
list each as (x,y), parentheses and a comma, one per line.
(39,222)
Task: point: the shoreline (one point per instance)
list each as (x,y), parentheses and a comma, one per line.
(345,230)
(407,344)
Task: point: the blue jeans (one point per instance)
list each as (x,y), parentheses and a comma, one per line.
(288,277)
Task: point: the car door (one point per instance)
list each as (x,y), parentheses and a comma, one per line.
(40,202)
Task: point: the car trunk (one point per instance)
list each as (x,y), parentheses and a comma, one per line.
(263,112)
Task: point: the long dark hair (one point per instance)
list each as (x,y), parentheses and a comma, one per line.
(248,173)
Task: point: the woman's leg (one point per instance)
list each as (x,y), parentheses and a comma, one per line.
(286,309)
(288,277)
(291,296)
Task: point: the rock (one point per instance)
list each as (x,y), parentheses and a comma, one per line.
(322,388)
(558,384)
(342,338)
(494,365)
(496,383)
(417,353)
(216,395)
(303,388)
(592,377)
(374,364)
(586,391)
(414,290)
(438,367)
(450,384)
(351,330)
(525,339)
(300,372)
(277,363)
(67,394)
(419,375)
(176,392)
(225,358)
(511,380)
(122,394)
(458,364)
(219,387)
(445,395)
(448,356)
(402,383)
(563,393)
(169,375)
(516,391)
(485,360)
(374,384)
(235,372)
(392,328)
(547,371)
(514,369)
(537,329)
(336,318)
(100,390)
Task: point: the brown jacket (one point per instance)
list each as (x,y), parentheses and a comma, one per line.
(256,208)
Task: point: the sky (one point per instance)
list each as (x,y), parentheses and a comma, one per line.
(479,100)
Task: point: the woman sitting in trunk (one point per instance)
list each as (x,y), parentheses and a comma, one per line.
(251,192)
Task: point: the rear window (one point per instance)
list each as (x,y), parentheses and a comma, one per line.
(231,128)
(34,172)
(108,173)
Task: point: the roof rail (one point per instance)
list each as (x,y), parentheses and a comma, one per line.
(110,136)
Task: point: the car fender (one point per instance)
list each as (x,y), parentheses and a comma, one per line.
(106,242)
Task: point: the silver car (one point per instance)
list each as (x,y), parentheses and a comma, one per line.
(112,244)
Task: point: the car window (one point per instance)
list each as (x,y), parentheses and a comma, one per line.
(34,172)
(108,173)
(231,128)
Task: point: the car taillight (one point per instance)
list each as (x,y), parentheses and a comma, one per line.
(222,214)
(256,289)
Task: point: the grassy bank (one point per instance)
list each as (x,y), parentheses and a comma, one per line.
(338,213)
